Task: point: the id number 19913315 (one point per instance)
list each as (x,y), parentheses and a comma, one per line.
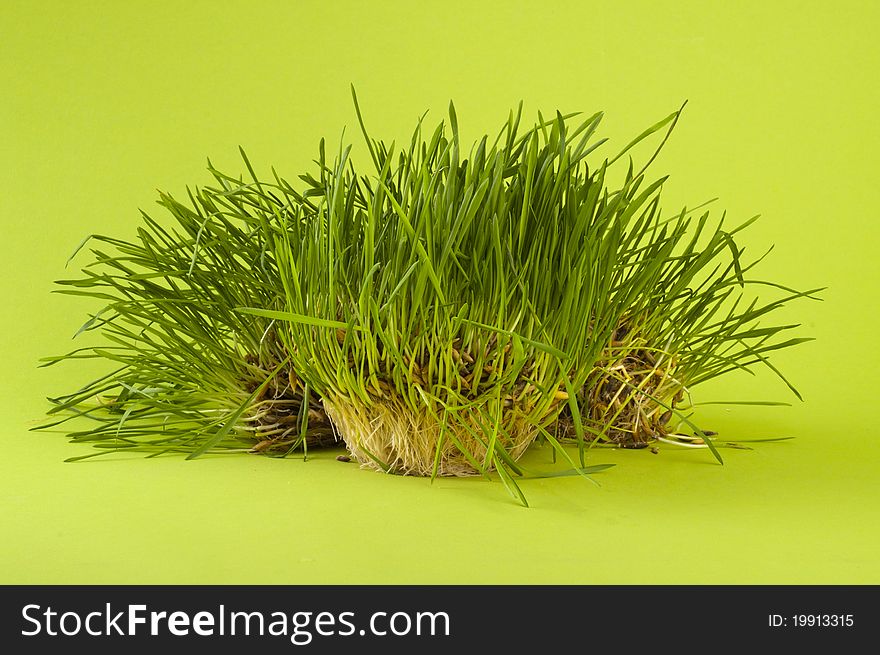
(811,621)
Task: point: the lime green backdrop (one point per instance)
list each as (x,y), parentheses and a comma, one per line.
(103,102)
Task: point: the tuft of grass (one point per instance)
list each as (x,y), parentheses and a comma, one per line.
(438,311)
(190,374)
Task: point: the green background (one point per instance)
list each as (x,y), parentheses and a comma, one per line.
(103,102)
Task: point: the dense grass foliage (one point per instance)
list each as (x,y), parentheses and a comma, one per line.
(439,310)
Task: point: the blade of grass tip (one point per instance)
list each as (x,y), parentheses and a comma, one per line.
(490,449)
(778,373)
(735,253)
(80,458)
(575,469)
(123,420)
(702,435)
(247,163)
(386,468)
(676,115)
(94,318)
(230,422)
(78,248)
(85,352)
(510,484)
(670,120)
(453,122)
(357,110)
(586,472)
(699,432)
(744,225)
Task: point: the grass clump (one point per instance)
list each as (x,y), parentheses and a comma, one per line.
(189,372)
(697,323)
(439,313)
